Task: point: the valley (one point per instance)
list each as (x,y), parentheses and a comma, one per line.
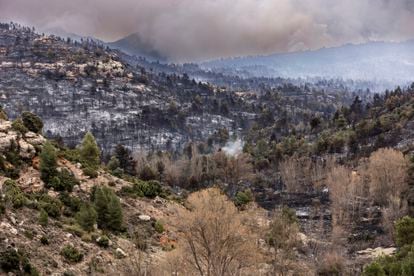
(111,163)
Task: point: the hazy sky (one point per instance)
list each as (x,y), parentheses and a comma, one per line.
(205,29)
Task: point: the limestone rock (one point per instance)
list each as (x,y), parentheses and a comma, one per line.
(120,253)
(144,217)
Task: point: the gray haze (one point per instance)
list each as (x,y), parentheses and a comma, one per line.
(187,30)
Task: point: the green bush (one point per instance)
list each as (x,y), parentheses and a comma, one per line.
(374,269)
(71,254)
(18,126)
(32,122)
(52,206)
(141,188)
(43,218)
(14,195)
(108,208)
(113,164)
(90,171)
(159,227)
(150,188)
(9,260)
(103,241)
(243,198)
(72,204)
(86,217)
(404,229)
(66,181)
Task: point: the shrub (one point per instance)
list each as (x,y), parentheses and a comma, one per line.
(52,206)
(66,181)
(108,207)
(159,227)
(141,188)
(374,269)
(72,204)
(74,229)
(103,241)
(71,254)
(44,240)
(404,231)
(243,198)
(9,260)
(331,264)
(32,122)
(86,217)
(147,173)
(18,126)
(126,162)
(13,194)
(43,218)
(150,188)
(90,171)
(113,164)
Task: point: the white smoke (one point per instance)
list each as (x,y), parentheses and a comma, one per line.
(233,148)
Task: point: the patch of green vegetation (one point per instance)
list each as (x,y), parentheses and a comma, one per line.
(103,241)
(159,227)
(51,205)
(12,260)
(43,218)
(108,208)
(86,217)
(71,254)
(141,188)
(32,122)
(17,125)
(14,195)
(243,198)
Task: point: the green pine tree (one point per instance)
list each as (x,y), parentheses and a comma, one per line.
(86,217)
(48,163)
(89,151)
(108,208)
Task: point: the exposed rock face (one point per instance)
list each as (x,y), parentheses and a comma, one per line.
(24,143)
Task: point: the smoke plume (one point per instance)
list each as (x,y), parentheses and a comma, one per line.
(187,30)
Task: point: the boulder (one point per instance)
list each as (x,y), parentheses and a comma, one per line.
(5,126)
(120,253)
(36,141)
(26,150)
(144,217)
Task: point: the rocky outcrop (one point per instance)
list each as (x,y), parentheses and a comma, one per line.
(25,144)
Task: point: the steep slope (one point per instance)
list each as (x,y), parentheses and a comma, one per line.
(76,87)
(133,45)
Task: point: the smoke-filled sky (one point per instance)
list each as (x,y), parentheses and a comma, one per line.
(206,29)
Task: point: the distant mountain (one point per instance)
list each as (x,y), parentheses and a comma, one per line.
(60,32)
(134,45)
(393,62)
